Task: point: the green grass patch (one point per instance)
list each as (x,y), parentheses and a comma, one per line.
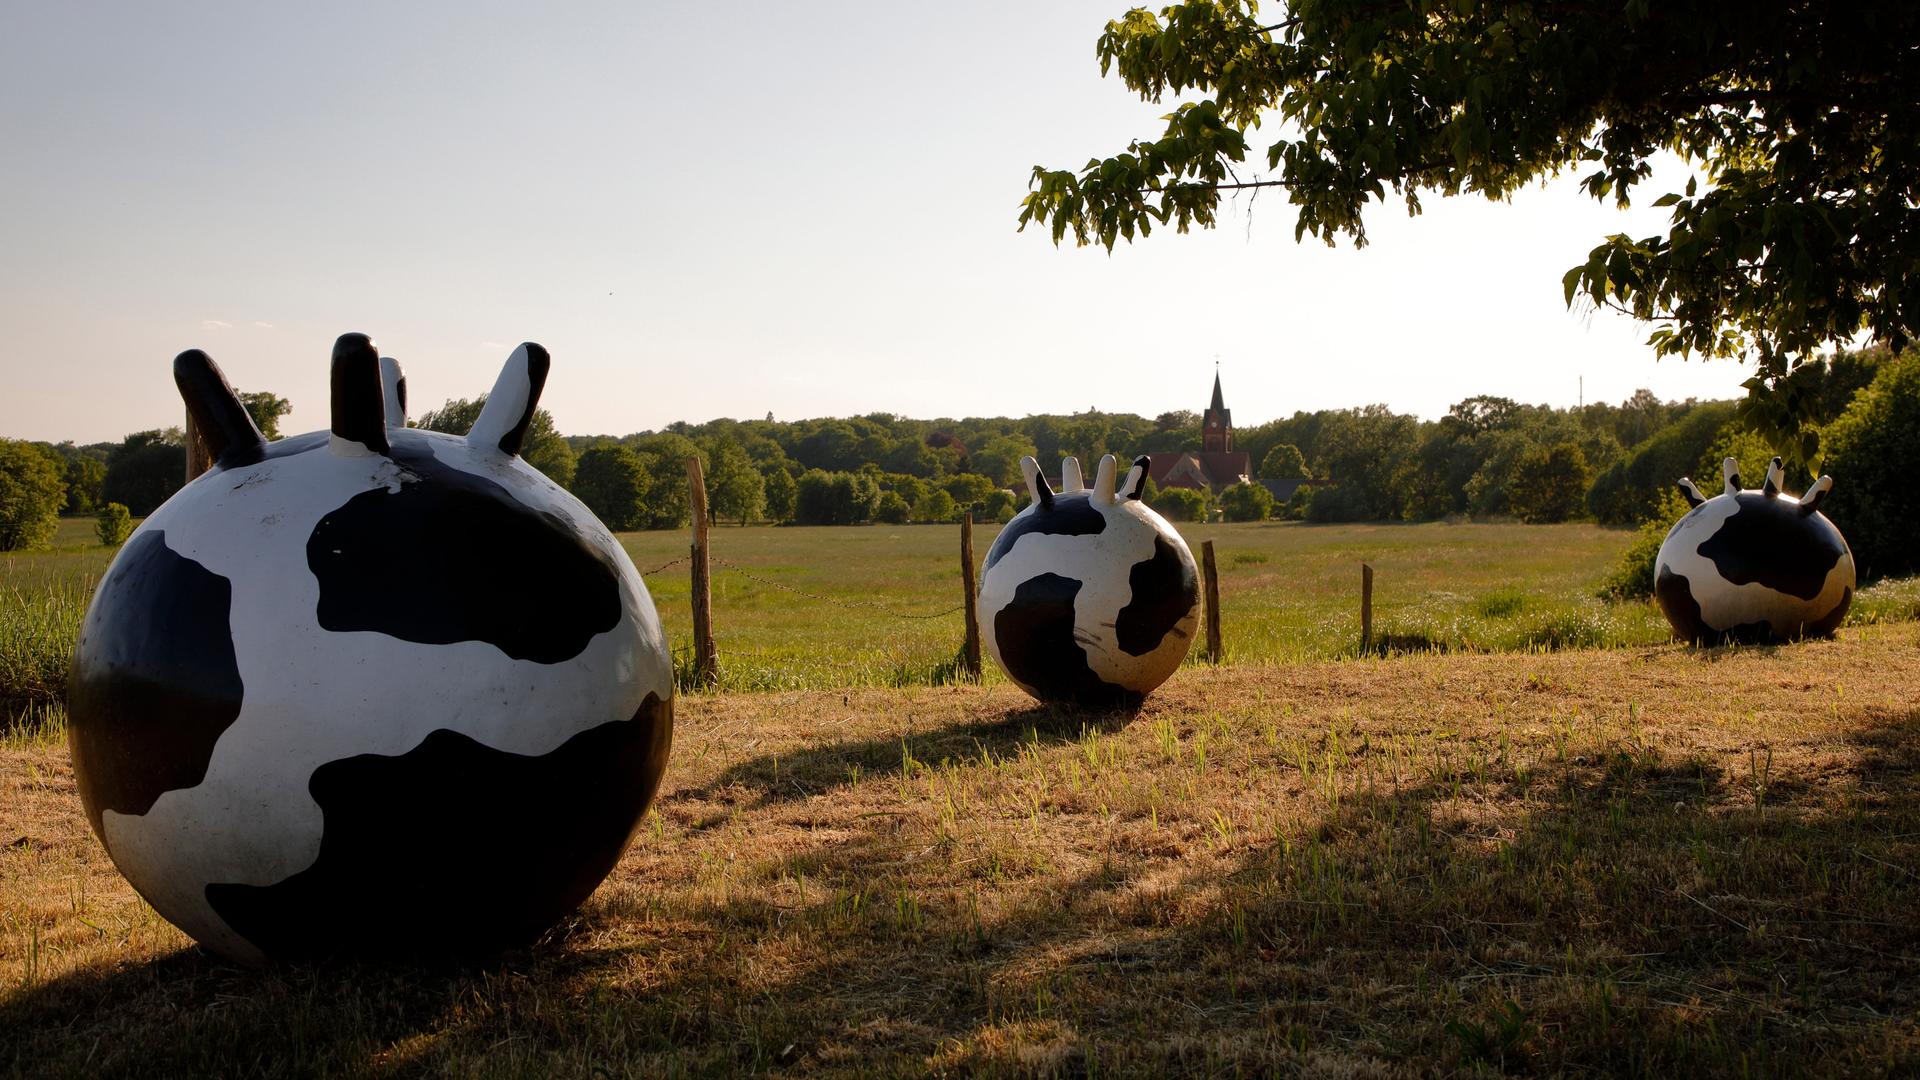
(820,608)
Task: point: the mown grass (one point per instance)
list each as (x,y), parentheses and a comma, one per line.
(820,608)
(1654,861)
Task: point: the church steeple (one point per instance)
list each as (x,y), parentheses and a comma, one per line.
(1216,425)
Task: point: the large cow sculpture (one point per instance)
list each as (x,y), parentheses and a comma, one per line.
(1088,596)
(1754,565)
(374,690)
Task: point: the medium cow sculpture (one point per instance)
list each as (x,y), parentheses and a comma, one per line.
(373,691)
(1088,597)
(1754,566)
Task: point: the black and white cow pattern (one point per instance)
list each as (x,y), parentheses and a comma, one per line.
(1089,596)
(1754,565)
(373,690)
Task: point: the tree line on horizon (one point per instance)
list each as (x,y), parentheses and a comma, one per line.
(1488,458)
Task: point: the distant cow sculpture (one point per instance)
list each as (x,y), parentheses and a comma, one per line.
(1089,596)
(1754,565)
(373,690)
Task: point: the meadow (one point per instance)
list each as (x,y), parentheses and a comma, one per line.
(828,607)
(1640,861)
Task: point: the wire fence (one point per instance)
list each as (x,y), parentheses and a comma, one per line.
(738,570)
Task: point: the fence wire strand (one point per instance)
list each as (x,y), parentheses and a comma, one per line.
(850,605)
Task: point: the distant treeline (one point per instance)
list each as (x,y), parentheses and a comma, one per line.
(1489,457)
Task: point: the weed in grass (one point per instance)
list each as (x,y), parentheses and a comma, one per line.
(1503,604)
(39,625)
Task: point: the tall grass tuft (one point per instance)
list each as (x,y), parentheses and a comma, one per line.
(39,626)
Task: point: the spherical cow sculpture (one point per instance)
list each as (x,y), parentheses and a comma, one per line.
(1754,566)
(371,691)
(1087,597)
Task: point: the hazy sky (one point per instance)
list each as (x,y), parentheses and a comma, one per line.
(703,210)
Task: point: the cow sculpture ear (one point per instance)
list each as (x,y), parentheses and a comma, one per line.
(1731,470)
(1775,474)
(1691,491)
(1070,479)
(1136,482)
(510,406)
(1036,483)
(359,402)
(222,421)
(1103,479)
(393,388)
(1810,502)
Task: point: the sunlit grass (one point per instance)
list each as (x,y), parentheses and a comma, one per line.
(1660,862)
(819,608)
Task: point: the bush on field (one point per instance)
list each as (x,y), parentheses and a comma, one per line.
(998,506)
(937,507)
(1550,484)
(1246,502)
(1181,504)
(1870,452)
(1632,577)
(892,509)
(114,524)
(835,498)
(1338,502)
(31,494)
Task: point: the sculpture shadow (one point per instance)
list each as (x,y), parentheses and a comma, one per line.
(1649,911)
(786,776)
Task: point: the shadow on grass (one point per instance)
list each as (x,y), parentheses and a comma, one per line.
(800,774)
(1646,911)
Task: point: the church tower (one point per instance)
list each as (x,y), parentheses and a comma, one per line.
(1216,425)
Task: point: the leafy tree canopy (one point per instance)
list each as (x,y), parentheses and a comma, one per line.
(1802,118)
(780,492)
(145,470)
(1246,502)
(736,489)
(1875,442)
(31,494)
(612,481)
(267,409)
(1284,462)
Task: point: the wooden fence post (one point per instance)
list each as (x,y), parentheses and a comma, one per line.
(1366,607)
(1215,654)
(970,650)
(705,670)
(198,460)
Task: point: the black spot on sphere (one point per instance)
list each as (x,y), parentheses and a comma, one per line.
(154,682)
(1768,541)
(456,558)
(1675,597)
(1162,590)
(1034,633)
(1070,515)
(454,849)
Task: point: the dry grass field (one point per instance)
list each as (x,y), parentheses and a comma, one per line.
(1648,860)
